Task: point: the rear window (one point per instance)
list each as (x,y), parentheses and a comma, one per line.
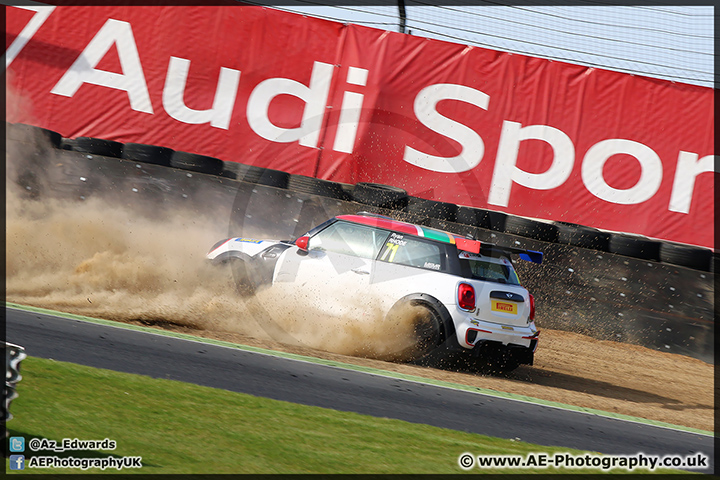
(493,272)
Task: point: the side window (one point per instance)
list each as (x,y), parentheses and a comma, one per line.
(349,239)
(405,250)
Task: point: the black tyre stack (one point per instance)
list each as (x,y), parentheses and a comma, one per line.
(196,163)
(581,236)
(379,195)
(367,193)
(152,154)
(316,186)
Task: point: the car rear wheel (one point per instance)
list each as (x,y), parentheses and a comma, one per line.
(426,324)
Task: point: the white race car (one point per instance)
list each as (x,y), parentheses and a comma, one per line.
(465,294)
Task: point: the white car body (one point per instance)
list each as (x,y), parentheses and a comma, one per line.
(502,311)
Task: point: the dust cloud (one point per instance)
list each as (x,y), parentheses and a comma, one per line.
(105,257)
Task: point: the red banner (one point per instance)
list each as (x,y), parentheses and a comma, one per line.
(461,124)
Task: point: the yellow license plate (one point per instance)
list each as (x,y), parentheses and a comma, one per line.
(504,307)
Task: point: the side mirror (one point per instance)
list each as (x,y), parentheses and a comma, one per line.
(302,243)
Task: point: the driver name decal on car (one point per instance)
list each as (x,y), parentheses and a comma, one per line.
(394,242)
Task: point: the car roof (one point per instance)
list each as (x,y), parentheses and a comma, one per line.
(388,223)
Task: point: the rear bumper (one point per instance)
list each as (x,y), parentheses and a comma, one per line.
(472,333)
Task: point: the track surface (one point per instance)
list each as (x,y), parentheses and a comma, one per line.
(308,383)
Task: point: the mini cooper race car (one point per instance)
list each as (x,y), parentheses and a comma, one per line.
(465,294)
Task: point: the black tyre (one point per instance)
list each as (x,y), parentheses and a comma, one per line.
(316,186)
(478,217)
(153,154)
(427,328)
(98,146)
(379,195)
(231,169)
(196,163)
(471,216)
(243,274)
(228,174)
(433,209)
(263,176)
(686,255)
(22,132)
(525,227)
(496,220)
(581,236)
(634,246)
(67,144)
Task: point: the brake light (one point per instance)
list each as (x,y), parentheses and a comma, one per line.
(466,296)
(532,307)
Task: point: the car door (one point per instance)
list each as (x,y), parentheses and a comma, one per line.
(334,274)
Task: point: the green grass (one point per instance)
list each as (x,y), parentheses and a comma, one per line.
(183,428)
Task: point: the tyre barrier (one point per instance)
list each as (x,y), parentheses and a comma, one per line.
(14,354)
(526,227)
(634,246)
(582,236)
(686,255)
(196,163)
(496,220)
(139,152)
(22,132)
(432,208)
(376,195)
(481,218)
(94,146)
(379,195)
(262,176)
(316,186)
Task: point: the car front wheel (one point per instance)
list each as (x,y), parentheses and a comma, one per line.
(243,274)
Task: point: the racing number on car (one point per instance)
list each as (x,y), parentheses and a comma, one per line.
(391,249)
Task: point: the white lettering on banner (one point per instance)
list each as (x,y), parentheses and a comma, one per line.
(688,168)
(350,112)
(41,14)
(506,171)
(650,175)
(174,93)
(472,144)
(315,97)
(132,80)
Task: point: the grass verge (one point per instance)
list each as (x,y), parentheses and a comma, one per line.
(183,428)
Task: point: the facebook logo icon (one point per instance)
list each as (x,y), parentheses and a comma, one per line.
(17,462)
